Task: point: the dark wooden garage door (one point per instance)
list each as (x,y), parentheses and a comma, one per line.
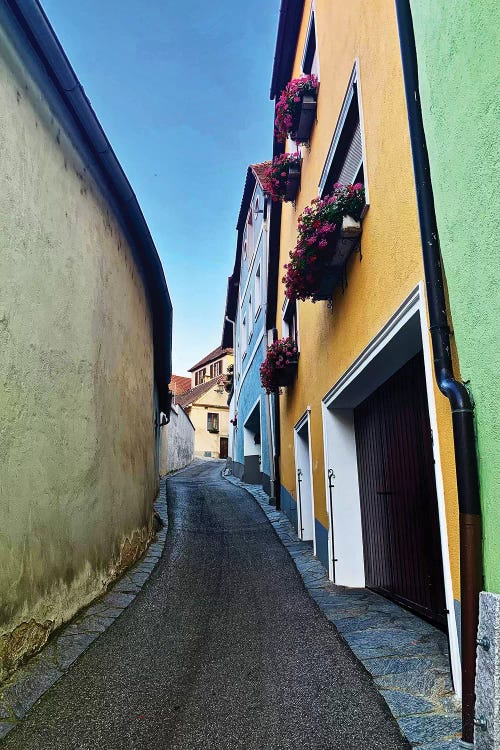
(399,511)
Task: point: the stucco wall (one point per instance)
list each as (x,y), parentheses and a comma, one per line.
(391,266)
(459,64)
(77,447)
(209,442)
(250,390)
(177,443)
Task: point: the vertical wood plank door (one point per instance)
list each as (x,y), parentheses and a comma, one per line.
(223,447)
(399,512)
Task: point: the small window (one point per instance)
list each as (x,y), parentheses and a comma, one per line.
(199,377)
(244,341)
(290,323)
(245,244)
(212,422)
(344,163)
(310,63)
(258,291)
(250,318)
(216,369)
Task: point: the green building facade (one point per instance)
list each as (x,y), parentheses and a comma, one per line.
(458,62)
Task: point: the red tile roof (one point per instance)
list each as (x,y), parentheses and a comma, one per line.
(216,354)
(260,170)
(179,384)
(186,399)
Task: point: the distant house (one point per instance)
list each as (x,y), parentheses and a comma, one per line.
(85,337)
(206,403)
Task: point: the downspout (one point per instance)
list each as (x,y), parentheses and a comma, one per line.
(277,429)
(471,573)
(267,396)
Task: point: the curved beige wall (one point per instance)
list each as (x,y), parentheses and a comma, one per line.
(77,452)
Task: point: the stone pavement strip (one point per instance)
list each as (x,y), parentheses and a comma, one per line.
(407,658)
(24,688)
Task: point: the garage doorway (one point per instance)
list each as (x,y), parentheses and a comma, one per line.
(403,338)
(399,511)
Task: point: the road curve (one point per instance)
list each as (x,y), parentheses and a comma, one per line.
(222,649)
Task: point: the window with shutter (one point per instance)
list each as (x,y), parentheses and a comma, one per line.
(344,162)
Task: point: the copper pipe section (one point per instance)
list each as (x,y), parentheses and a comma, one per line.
(471,584)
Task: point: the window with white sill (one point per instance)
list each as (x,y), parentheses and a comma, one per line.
(258,291)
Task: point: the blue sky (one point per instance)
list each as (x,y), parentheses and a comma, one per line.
(182,91)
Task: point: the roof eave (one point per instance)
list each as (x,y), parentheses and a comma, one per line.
(43,40)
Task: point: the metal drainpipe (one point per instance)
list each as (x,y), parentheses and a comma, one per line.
(471,574)
(277,446)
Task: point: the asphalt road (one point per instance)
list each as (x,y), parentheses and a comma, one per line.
(223,648)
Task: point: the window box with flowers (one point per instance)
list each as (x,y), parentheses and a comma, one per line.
(329,231)
(296,109)
(280,365)
(282,177)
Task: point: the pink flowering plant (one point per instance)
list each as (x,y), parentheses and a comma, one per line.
(289,103)
(276,175)
(318,225)
(280,354)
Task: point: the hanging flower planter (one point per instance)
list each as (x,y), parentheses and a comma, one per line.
(329,232)
(282,178)
(280,365)
(296,110)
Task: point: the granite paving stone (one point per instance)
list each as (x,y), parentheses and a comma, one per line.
(404,704)
(32,682)
(421,729)
(6,727)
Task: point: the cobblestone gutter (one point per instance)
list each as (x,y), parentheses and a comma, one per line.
(407,658)
(29,683)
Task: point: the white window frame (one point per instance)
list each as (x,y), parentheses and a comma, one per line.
(315,61)
(258,291)
(354,79)
(244,340)
(250,318)
(285,327)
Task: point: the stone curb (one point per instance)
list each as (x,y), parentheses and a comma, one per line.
(29,683)
(406,657)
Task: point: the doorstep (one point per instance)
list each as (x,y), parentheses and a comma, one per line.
(407,657)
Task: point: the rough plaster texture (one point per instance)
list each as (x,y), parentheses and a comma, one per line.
(206,442)
(459,63)
(177,441)
(391,265)
(488,673)
(77,451)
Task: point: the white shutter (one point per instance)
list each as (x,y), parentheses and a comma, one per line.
(353,159)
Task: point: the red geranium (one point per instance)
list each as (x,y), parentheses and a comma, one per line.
(317,224)
(280,354)
(288,105)
(276,175)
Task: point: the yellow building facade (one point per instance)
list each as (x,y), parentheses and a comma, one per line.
(365,356)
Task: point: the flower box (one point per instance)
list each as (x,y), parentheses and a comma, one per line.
(296,109)
(286,375)
(328,233)
(339,250)
(282,177)
(292,183)
(304,119)
(280,365)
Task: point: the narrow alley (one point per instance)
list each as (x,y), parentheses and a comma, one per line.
(223,648)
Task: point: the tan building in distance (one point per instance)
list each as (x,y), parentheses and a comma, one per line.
(206,403)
